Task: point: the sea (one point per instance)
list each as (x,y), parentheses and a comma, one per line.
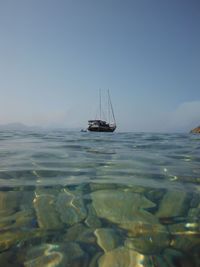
(83,199)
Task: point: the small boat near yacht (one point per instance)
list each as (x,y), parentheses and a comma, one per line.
(101,125)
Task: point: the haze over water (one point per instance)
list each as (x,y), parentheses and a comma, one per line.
(55,55)
(99,199)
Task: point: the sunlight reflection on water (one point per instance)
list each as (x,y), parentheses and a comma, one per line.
(99,199)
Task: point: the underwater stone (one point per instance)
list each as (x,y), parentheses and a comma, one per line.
(47,216)
(174,203)
(56,255)
(52,259)
(78,189)
(76,257)
(176,258)
(121,206)
(74,232)
(23,218)
(92,220)
(195,201)
(80,233)
(5,220)
(87,237)
(154,195)
(122,257)
(11,214)
(137,189)
(185,236)
(147,238)
(12,238)
(9,201)
(150,243)
(17,220)
(194,214)
(71,207)
(126,209)
(142,228)
(43,255)
(103,186)
(9,259)
(107,238)
(47,191)
(27,200)
(157,261)
(94,260)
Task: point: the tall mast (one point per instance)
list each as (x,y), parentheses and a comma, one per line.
(100,101)
(111,106)
(108,107)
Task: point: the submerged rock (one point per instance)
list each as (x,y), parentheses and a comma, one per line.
(141,228)
(194,214)
(71,207)
(155,195)
(17,220)
(147,238)
(148,244)
(45,208)
(176,258)
(127,209)
(94,260)
(9,259)
(54,255)
(173,204)
(27,200)
(74,232)
(102,186)
(185,236)
(9,201)
(195,201)
(80,233)
(92,220)
(121,206)
(13,212)
(44,258)
(122,257)
(107,239)
(9,239)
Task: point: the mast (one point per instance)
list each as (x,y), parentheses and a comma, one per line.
(108,107)
(100,101)
(111,106)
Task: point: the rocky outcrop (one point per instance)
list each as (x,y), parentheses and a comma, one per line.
(195,130)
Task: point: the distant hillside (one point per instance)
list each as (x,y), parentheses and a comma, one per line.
(196,130)
(16,126)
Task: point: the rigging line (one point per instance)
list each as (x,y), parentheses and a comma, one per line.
(100,101)
(103,116)
(111,107)
(108,107)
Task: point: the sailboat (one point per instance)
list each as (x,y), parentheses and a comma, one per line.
(99,125)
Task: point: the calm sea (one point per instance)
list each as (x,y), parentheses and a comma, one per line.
(73,199)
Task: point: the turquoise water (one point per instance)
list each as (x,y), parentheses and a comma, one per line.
(99,199)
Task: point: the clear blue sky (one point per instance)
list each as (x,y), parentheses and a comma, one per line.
(56,54)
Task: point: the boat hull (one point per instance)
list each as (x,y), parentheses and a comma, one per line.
(101,129)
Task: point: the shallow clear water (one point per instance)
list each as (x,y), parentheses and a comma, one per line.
(99,199)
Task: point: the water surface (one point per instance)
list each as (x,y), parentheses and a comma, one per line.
(99,199)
